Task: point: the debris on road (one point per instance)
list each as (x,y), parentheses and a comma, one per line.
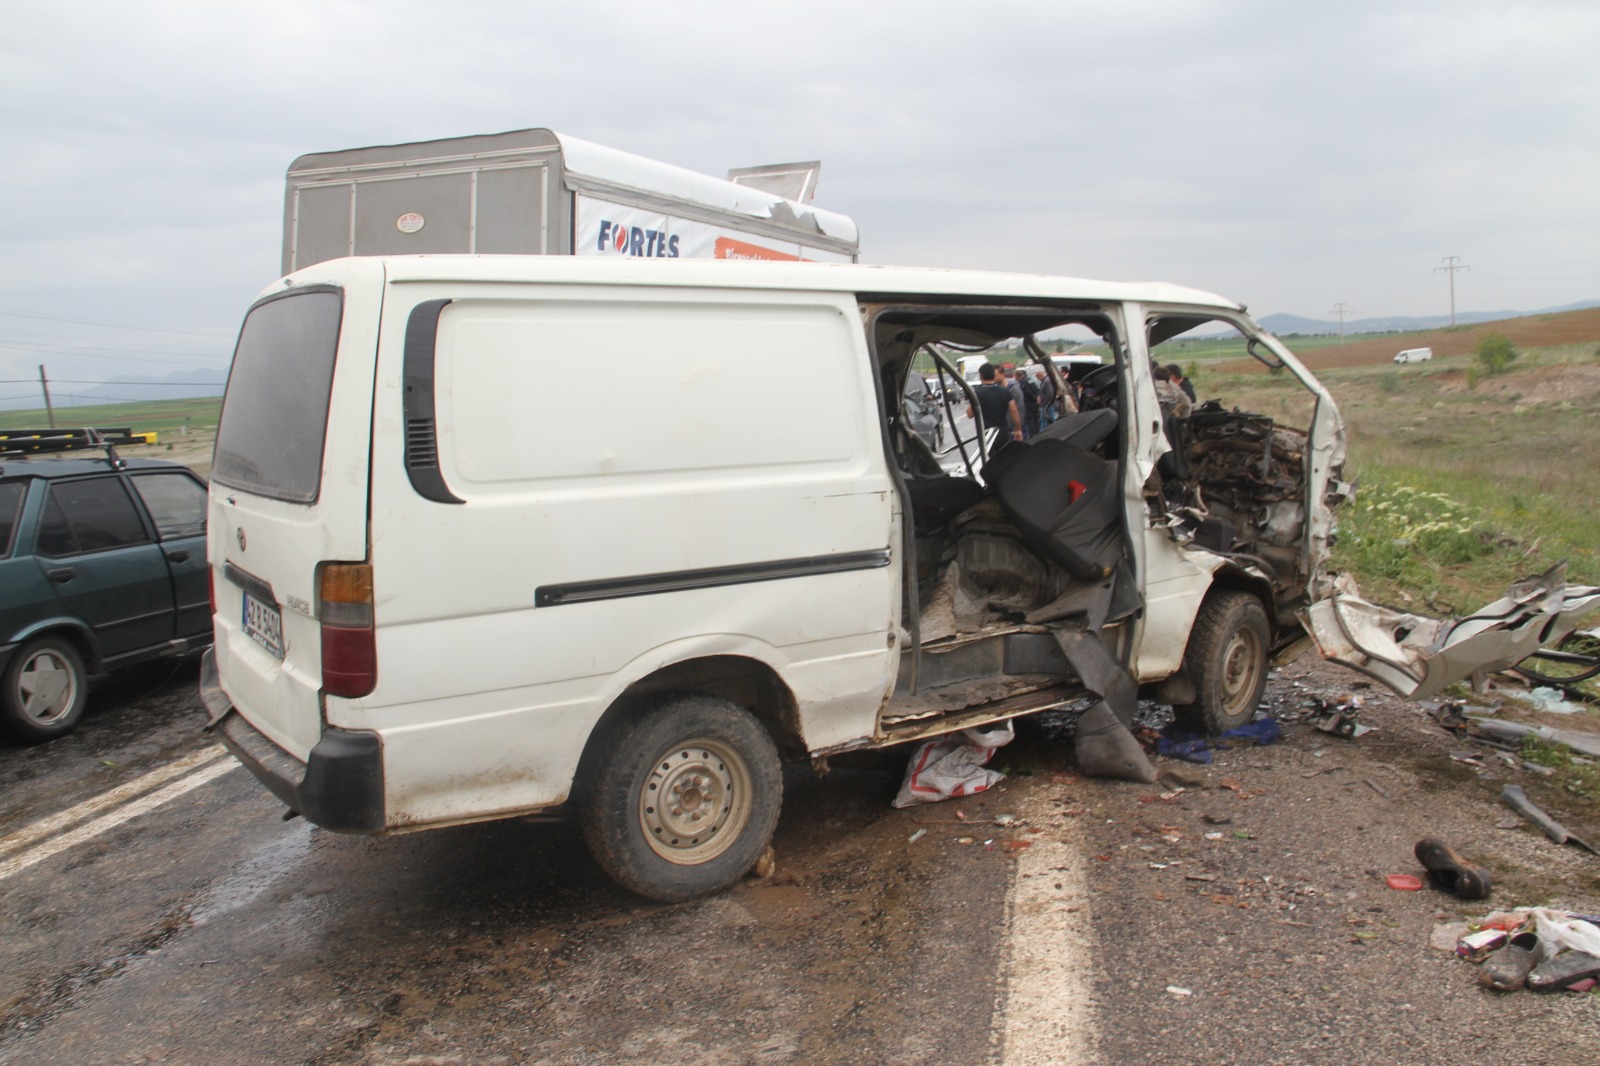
(1515,732)
(953,766)
(1551,701)
(1178,744)
(1513,796)
(1449,872)
(1538,948)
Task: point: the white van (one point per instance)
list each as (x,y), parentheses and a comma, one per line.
(453,581)
(1414,355)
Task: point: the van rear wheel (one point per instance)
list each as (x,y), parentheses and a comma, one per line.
(1227,660)
(684,799)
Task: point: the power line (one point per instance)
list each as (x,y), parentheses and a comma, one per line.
(82,352)
(113,325)
(1341,309)
(1450,268)
(141,384)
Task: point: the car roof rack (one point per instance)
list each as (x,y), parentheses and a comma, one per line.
(21,443)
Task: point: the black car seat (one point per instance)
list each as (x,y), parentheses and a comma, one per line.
(1064,502)
(1084,429)
(936,500)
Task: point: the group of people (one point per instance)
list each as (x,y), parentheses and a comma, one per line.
(1020,402)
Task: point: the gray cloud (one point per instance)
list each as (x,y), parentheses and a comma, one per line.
(1287,156)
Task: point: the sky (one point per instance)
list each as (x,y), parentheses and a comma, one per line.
(1293,157)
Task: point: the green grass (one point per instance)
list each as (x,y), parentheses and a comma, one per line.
(1461,491)
(165,417)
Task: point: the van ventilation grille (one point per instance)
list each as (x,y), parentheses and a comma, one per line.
(422,441)
(422,447)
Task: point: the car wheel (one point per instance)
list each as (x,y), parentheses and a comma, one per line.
(1227,660)
(684,799)
(45,690)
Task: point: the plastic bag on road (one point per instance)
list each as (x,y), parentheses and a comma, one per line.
(953,766)
(1558,930)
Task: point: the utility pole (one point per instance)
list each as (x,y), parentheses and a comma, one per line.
(44,383)
(1341,309)
(1450,267)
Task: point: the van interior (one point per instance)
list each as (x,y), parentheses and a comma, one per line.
(1021,573)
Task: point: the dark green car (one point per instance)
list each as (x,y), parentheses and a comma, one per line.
(102,565)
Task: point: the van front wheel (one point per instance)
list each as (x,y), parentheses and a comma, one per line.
(684,799)
(1227,659)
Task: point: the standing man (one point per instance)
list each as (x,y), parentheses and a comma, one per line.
(998,408)
(1013,381)
(1047,398)
(1175,373)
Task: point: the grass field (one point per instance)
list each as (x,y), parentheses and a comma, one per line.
(169,418)
(1461,490)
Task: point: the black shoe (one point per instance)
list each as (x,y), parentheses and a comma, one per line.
(1449,872)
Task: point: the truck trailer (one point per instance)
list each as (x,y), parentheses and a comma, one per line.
(538,192)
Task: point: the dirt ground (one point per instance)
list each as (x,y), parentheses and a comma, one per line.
(1244,917)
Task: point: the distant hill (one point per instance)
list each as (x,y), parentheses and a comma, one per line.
(1547,330)
(1285,324)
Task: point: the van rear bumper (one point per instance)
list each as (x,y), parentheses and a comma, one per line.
(339,786)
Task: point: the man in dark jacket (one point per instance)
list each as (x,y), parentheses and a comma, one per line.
(1175,375)
(998,408)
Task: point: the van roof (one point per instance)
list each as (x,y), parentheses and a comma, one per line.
(824,277)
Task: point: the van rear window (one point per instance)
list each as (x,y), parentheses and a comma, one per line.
(275,413)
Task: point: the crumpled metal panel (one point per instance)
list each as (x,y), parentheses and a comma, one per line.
(1418,657)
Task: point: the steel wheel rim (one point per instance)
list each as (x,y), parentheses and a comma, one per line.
(695,801)
(1241,672)
(47,687)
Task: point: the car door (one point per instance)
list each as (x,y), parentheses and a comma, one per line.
(175,501)
(107,569)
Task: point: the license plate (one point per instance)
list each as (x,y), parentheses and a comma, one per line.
(264,623)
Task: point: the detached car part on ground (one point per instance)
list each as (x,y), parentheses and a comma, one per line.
(1418,657)
(102,566)
(442,597)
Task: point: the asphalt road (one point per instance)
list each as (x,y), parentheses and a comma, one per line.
(154,906)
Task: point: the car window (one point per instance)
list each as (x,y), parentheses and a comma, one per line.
(10,510)
(176,502)
(87,515)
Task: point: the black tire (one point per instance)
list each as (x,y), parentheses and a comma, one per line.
(1227,660)
(45,690)
(718,762)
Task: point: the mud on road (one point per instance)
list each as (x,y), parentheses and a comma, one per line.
(1242,918)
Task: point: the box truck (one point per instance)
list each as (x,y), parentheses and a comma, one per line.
(538,192)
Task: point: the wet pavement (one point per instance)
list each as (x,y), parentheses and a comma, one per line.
(1242,918)
(210,930)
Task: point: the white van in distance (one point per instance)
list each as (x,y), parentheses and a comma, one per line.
(452,583)
(1414,355)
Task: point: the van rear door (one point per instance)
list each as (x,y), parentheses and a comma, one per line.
(289,488)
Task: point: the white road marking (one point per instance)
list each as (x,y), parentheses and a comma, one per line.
(17,863)
(1046,1007)
(110,798)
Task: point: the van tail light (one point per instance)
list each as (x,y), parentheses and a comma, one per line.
(349,645)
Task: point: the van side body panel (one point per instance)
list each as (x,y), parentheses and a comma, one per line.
(612,524)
